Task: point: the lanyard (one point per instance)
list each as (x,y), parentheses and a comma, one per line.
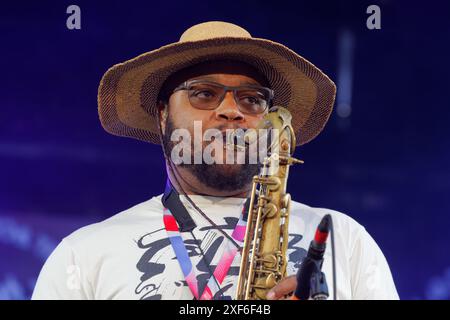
(221,270)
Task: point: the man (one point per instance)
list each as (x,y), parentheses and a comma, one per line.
(170,246)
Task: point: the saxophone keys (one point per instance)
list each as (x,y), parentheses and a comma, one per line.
(269,211)
(270,261)
(285,200)
(271,281)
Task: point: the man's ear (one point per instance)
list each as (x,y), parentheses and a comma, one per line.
(163,110)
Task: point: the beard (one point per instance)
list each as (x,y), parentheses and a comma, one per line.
(222,177)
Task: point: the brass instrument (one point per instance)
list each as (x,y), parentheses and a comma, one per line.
(266,239)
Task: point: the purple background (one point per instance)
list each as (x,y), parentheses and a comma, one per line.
(386,165)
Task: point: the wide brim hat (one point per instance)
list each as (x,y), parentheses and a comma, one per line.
(128,92)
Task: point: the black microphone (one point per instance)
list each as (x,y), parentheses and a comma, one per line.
(312,263)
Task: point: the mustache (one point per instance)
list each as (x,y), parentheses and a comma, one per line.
(232,135)
(237,135)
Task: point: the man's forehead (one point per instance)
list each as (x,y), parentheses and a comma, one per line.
(242,80)
(210,69)
(223,67)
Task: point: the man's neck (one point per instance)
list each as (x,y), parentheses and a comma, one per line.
(191,186)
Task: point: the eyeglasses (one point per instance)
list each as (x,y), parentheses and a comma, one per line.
(208,95)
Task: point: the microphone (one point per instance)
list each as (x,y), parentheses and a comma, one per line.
(312,264)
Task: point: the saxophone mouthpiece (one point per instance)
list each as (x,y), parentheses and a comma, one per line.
(240,138)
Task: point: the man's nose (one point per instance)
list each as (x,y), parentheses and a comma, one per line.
(228,109)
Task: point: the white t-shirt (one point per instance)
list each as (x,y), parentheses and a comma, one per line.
(129,255)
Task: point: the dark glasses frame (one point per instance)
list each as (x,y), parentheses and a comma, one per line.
(268,93)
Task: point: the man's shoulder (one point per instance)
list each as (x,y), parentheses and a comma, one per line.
(145,212)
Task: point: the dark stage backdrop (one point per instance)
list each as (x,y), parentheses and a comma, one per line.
(383,158)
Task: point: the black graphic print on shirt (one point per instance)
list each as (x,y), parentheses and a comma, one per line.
(158,261)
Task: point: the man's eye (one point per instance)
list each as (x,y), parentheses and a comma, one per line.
(204,94)
(251,100)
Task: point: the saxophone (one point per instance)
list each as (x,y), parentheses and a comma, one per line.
(264,260)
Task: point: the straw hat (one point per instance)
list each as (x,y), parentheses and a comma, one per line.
(128,91)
